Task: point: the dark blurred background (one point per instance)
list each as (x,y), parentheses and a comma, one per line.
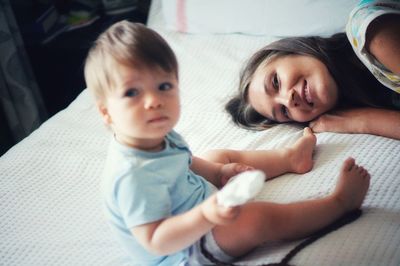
(56,36)
(57,58)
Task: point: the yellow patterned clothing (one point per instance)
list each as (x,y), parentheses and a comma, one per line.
(356,29)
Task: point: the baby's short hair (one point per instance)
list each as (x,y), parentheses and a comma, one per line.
(129,44)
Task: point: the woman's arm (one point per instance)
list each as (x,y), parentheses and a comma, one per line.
(375,121)
(383,42)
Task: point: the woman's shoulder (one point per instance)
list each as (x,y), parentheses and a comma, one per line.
(363,14)
(359,29)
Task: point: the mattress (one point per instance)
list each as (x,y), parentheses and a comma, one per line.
(50,207)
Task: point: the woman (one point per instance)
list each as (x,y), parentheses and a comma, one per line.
(322,80)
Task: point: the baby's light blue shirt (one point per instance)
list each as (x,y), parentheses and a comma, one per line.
(141,187)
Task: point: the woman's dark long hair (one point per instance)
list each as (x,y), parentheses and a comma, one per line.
(356,85)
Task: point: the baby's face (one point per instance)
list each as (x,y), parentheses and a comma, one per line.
(143,107)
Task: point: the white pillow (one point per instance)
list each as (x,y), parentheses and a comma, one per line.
(278,18)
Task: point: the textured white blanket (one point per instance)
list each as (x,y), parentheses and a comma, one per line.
(50,210)
(209,66)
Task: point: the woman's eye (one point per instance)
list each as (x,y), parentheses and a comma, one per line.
(131,92)
(165,86)
(284,111)
(275,81)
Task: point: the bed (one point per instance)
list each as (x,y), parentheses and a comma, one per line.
(50,209)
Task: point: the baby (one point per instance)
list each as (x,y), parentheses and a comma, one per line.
(159,198)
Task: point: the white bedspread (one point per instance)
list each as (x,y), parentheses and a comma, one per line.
(50,210)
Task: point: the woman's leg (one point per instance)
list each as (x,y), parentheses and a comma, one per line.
(260,222)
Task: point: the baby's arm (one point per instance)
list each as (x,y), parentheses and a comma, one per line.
(178,232)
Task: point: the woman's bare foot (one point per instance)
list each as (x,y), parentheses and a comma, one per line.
(352,185)
(300,155)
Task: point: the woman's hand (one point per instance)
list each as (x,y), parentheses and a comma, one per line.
(367,120)
(231,169)
(344,121)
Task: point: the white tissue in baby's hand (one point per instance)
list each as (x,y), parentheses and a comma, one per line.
(241,188)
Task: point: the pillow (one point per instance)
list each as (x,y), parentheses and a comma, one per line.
(278,18)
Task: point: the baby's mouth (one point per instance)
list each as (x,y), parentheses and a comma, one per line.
(158,119)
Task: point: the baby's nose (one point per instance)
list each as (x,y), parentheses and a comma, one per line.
(152,101)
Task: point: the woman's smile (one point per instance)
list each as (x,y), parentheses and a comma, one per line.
(292,88)
(307,94)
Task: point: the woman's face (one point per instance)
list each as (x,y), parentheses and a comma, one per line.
(292,88)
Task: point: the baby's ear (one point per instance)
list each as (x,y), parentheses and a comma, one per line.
(102,108)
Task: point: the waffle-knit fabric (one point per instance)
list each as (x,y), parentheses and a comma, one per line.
(50,209)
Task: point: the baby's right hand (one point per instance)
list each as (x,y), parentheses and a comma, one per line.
(218,214)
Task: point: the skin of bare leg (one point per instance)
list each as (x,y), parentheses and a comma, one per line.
(300,155)
(296,159)
(351,194)
(260,222)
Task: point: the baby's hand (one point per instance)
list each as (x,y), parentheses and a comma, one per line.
(241,188)
(218,214)
(230,170)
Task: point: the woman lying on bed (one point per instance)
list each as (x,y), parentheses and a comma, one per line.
(322,80)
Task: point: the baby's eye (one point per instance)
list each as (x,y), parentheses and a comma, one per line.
(131,92)
(275,81)
(165,86)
